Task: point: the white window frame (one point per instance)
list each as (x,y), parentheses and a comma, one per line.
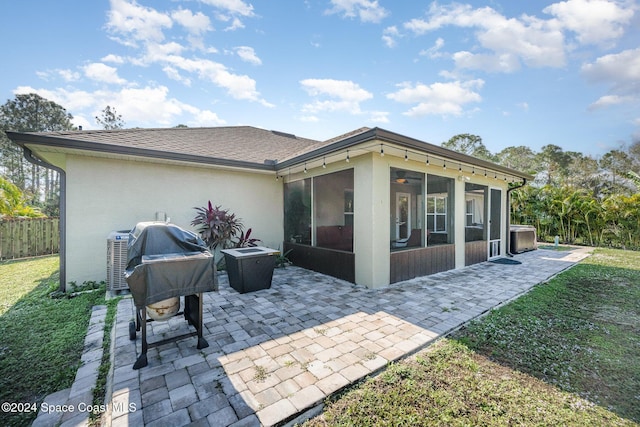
(470,203)
(435,214)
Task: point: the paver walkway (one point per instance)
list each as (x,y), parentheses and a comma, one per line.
(277,353)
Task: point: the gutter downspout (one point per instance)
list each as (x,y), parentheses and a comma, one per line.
(524,182)
(28,154)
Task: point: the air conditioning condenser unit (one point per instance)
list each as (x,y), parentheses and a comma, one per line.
(117,260)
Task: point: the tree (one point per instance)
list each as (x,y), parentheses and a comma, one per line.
(553,161)
(110,119)
(635,178)
(30,113)
(12,201)
(583,172)
(469,144)
(634,154)
(520,158)
(617,163)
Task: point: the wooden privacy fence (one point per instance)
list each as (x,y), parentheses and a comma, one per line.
(25,237)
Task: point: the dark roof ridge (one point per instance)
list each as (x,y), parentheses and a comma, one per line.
(158,129)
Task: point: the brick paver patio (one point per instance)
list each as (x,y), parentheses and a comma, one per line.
(276,354)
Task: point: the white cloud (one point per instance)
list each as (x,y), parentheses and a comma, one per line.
(336,88)
(504,62)
(594,21)
(76,100)
(69,76)
(390,36)
(247,54)
(143,28)
(149,104)
(137,23)
(145,107)
(344,95)
(238,86)
(434,51)
(66,74)
(174,74)
(82,121)
(611,100)
(231,11)
(115,59)
(620,69)
(379,117)
(236,7)
(158,52)
(438,98)
(365,10)
(535,42)
(103,73)
(236,24)
(206,118)
(194,23)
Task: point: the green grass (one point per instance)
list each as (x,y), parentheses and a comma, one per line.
(41,338)
(566,353)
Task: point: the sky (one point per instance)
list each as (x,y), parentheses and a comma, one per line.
(515,73)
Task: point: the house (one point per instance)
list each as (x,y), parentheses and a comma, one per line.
(372,207)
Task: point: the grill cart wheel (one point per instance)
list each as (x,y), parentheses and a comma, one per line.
(132,330)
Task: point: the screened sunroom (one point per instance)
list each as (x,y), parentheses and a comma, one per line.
(377,208)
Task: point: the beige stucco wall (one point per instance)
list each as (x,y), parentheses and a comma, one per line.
(371,220)
(106,194)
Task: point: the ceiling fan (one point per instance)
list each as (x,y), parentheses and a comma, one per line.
(402,178)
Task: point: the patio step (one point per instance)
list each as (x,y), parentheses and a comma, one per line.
(68,407)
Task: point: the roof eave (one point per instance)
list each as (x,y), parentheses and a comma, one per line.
(24,139)
(378,134)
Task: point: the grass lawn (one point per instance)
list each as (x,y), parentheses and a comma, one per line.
(566,353)
(41,339)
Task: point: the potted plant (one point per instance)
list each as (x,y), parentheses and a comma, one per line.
(248,266)
(245,241)
(217,227)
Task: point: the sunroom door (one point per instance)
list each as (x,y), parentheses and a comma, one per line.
(403,215)
(495,223)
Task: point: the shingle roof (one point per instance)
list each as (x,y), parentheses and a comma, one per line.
(243,144)
(235,146)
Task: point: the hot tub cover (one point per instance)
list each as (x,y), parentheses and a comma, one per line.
(165,261)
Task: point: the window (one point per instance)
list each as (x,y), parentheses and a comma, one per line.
(297,211)
(437,213)
(407,209)
(439,209)
(475,201)
(470,206)
(319,211)
(333,210)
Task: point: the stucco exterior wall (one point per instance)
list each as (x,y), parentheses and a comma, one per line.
(113,194)
(371,221)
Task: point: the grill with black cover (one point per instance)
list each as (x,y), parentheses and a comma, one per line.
(165,261)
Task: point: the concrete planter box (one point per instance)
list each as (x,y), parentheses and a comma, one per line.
(250,269)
